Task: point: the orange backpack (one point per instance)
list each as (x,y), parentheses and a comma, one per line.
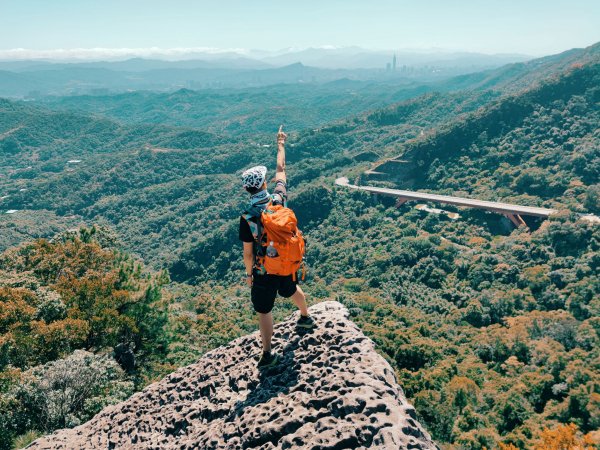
(280,231)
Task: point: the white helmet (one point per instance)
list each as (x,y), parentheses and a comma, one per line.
(254,177)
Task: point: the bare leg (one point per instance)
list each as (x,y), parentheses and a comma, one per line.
(266,330)
(300,301)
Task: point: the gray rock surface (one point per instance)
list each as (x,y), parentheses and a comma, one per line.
(331,390)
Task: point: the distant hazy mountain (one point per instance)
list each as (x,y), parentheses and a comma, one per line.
(323,57)
(304,105)
(356,57)
(137,64)
(516,76)
(255,68)
(73,79)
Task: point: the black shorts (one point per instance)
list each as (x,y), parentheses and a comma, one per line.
(265,289)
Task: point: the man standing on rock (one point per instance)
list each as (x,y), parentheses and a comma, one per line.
(271,262)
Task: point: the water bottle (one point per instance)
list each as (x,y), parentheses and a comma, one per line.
(272,251)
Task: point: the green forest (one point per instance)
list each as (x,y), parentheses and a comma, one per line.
(121,262)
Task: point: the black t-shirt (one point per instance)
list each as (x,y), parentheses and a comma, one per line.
(245,234)
(280,197)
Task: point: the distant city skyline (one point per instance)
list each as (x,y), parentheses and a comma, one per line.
(144,27)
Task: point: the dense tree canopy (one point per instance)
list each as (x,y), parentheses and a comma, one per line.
(493,331)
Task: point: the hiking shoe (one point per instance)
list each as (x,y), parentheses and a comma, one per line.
(306,322)
(267,360)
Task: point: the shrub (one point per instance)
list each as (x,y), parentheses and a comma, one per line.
(67,392)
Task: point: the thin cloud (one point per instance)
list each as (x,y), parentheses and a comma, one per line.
(115,53)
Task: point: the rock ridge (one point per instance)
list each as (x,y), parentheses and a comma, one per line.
(330,390)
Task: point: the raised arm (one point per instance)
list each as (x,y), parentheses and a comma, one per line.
(281,137)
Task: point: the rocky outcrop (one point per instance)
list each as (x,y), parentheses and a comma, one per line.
(331,390)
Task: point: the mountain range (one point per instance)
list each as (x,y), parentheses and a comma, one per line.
(35,78)
(491,330)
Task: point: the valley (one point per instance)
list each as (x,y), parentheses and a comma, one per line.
(491,330)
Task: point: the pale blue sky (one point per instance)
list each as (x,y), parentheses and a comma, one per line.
(535,27)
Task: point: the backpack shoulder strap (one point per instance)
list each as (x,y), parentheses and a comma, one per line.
(253,218)
(255,212)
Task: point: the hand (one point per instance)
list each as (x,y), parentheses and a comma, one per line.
(249,280)
(281,136)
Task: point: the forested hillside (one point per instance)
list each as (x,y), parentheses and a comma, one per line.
(245,111)
(117,165)
(476,324)
(540,147)
(65,164)
(143,179)
(84,325)
(493,332)
(300,106)
(81,326)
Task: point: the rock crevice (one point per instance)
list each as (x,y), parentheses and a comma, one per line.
(330,390)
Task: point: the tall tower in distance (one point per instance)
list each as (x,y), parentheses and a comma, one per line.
(394,63)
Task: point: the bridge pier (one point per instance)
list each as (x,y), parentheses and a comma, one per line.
(516,219)
(401,201)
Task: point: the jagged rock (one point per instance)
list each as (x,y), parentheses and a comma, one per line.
(331,390)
